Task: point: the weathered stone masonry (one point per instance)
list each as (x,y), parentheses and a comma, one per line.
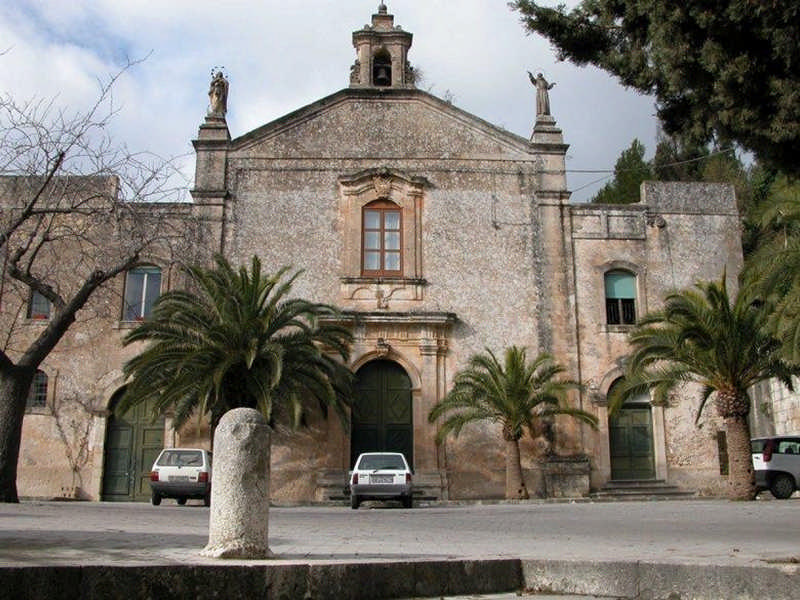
(491,254)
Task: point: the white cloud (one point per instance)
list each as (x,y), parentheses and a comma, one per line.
(281,55)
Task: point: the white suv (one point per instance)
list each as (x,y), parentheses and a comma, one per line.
(776,461)
(181,473)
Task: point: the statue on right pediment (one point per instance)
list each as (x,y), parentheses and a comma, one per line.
(542,93)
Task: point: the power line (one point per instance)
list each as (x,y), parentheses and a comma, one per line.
(673,164)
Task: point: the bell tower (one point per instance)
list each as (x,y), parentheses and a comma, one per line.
(382,54)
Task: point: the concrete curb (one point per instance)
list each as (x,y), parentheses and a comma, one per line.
(662,581)
(405,579)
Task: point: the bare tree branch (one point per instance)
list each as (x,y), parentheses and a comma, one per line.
(77,210)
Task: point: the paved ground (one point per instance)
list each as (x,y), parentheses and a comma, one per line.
(690,532)
(707,531)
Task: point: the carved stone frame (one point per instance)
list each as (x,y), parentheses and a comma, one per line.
(407,192)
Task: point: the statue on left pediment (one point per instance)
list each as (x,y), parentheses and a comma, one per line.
(218,95)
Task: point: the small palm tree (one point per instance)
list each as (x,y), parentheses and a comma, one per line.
(238,341)
(702,337)
(516,394)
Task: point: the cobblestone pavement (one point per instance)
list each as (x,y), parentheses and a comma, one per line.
(697,531)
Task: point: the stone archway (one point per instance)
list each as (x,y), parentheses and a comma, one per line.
(382,411)
(133,441)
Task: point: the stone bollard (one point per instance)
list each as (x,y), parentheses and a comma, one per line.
(239,516)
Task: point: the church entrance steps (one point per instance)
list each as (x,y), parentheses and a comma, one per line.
(654,489)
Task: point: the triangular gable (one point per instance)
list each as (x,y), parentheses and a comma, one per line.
(360,123)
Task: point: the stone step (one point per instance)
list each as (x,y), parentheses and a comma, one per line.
(640,489)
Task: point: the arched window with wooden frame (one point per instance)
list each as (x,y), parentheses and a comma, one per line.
(382,240)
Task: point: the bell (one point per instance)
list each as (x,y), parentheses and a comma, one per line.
(383,76)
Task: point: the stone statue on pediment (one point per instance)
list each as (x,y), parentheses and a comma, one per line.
(542,93)
(218,95)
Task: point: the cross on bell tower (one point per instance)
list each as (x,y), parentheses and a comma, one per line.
(382,54)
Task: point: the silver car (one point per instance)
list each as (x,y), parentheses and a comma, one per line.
(776,461)
(381,476)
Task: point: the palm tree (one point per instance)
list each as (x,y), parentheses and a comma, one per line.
(238,341)
(773,271)
(516,394)
(704,338)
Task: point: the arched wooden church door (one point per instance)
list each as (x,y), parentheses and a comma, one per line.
(382,417)
(631,441)
(133,441)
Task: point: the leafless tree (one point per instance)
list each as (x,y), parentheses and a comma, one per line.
(76,211)
(73,419)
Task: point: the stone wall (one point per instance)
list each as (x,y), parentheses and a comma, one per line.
(465,189)
(676,236)
(63,442)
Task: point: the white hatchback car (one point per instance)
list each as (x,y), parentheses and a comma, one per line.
(381,476)
(181,473)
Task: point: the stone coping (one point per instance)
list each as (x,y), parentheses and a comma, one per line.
(367,580)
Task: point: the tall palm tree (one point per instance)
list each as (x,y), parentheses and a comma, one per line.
(703,337)
(515,394)
(773,271)
(237,340)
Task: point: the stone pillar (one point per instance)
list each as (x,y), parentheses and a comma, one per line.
(240,487)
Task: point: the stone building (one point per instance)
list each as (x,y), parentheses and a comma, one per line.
(439,235)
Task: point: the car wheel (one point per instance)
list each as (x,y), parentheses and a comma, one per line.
(782,486)
(155,499)
(207,499)
(354,501)
(181,501)
(407,501)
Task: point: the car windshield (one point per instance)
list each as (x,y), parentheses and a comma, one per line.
(181,458)
(381,461)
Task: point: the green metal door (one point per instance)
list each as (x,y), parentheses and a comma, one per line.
(381,419)
(133,442)
(631,441)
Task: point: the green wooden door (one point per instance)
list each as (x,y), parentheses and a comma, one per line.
(133,442)
(381,419)
(631,442)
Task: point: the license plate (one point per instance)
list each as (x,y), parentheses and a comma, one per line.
(180,478)
(381,478)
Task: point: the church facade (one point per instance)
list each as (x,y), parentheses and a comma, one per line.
(438,235)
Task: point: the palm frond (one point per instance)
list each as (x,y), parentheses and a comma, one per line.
(515,393)
(701,336)
(238,340)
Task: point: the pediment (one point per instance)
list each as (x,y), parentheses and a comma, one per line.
(381,181)
(389,124)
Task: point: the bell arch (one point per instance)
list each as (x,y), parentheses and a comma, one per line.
(382,68)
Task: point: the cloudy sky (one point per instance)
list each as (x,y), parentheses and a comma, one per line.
(280,55)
